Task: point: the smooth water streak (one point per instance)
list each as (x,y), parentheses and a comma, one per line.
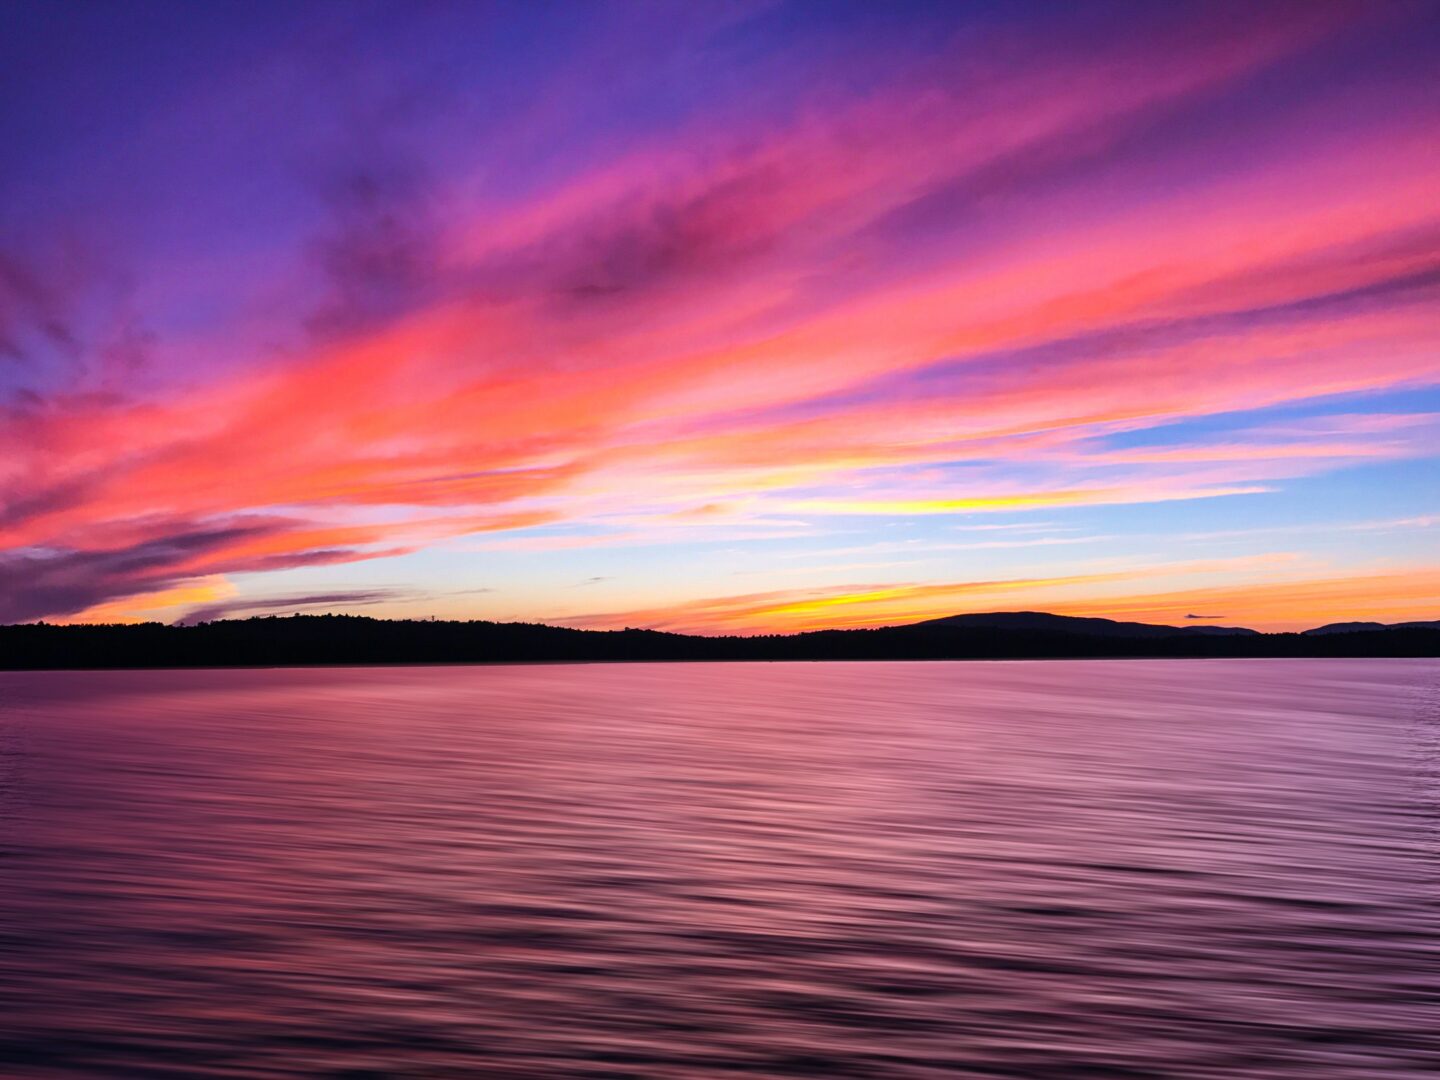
(1189,869)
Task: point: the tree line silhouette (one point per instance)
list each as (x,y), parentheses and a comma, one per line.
(353,639)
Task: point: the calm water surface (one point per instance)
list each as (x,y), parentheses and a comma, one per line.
(1071,870)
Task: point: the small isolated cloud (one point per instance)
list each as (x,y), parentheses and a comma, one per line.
(590,581)
(1205,616)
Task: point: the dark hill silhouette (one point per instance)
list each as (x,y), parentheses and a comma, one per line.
(1070,624)
(353,639)
(1368,627)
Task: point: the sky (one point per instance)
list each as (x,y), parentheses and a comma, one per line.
(720,317)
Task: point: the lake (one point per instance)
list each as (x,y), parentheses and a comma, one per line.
(1102,869)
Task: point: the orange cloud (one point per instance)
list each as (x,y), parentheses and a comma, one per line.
(162,604)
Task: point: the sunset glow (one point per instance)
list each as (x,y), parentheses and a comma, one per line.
(740,317)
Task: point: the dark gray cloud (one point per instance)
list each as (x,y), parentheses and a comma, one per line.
(35,584)
(244,608)
(56,582)
(651,244)
(26,505)
(379,252)
(69,327)
(34,305)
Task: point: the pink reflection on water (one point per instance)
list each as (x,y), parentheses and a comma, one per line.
(1177,869)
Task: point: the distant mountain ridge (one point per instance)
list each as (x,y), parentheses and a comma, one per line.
(1371,627)
(1073,624)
